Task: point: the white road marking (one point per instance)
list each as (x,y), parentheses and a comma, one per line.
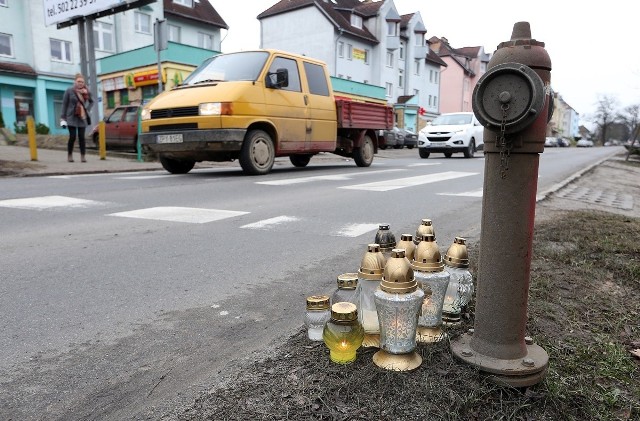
(143,177)
(180,214)
(271,222)
(48,202)
(355,230)
(425,164)
(474,193)
(400,183)
(335,177)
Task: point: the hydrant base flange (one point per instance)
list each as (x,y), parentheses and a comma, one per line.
(526,371)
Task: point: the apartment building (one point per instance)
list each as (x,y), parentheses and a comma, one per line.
(38,62)
(363,41)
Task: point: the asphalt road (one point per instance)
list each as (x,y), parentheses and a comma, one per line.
(123,295)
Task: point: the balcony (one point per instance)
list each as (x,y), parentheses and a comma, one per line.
(420,52)
(393,42)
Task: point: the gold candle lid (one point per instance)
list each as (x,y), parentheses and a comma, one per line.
(457,255)
(406,243)
(372,264)
(425,227)
(318,302)
(344,312)
(398,276)
(348,281)
(427,256)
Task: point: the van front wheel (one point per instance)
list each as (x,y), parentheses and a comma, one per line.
(258,153)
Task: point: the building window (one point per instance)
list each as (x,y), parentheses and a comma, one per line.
(366,56)
(435,101)
(124,96)
(111,99)
(174,33)
(349,51)
(143,22)
(392,29)
(401,51)
(416,92)
(187,3)
(430,76)
(149,91)
(205,41)
(103,36)
(389,89)
(57,104)
(417,70)
(60,50)
(430,100)
(389,59)
(419,40)
(435,76)
(341,49)
(356,21)
(400,78)
(6,45)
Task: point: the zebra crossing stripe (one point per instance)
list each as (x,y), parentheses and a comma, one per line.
(401,183)
(335,177)
(48,202)
(473,193)
(180,214)
(266,224)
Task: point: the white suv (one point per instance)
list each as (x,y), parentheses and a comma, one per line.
(451,133)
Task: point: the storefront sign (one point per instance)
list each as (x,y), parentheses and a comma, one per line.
(359,54)
(134,80)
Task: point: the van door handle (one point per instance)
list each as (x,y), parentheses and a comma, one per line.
(306,100)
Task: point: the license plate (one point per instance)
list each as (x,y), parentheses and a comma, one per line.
(169,138)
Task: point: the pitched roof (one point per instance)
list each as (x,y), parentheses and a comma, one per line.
(434,58)
(22,69)
(336,11)
(202,11)
(443,49)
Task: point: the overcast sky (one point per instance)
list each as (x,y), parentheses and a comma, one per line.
(593,45)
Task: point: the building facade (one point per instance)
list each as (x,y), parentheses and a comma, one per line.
(364,41)
(38,62)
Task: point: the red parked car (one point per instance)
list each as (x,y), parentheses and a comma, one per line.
(121,128)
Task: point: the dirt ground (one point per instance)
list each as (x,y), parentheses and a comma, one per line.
(584,307)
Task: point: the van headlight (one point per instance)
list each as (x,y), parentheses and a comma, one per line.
(145,114)
(215,108)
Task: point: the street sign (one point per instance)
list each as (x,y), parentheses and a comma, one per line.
(68,12)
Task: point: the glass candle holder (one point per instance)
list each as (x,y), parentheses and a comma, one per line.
(347,289)
(434,280)
(343,334)
(460,290)
(398,301)
(316,316)
(369,277)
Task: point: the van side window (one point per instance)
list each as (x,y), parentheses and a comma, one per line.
(292,68)
(317,79)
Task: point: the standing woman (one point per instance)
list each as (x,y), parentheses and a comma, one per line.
(76,104)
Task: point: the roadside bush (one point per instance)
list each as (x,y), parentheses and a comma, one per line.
(19,129)
(1,121)
(42,129)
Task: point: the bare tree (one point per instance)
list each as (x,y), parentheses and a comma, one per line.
(605,115)
(630,117)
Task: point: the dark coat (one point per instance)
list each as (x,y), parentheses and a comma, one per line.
(69,102)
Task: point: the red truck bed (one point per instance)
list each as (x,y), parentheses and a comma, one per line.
(363,115)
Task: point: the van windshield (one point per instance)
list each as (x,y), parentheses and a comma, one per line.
(228,68)
(451,120)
